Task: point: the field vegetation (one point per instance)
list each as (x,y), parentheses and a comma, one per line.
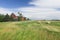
(30,30)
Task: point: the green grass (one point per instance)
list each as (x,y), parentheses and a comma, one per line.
(30,30)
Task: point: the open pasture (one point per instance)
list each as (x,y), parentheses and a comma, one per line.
(30,30)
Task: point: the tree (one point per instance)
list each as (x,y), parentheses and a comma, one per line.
(6,18)
(28,19)
(20,16)
(1,17)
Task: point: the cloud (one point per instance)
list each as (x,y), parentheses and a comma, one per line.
(7,10)
(40,13)
(3,11)
(43,9)
(46,3)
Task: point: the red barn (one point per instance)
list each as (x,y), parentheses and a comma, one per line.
(14,16)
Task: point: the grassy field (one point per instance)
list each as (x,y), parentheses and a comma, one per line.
(30,30)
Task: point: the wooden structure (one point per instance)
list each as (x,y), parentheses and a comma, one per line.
(16,17)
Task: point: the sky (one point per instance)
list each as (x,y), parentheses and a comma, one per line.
(33,9)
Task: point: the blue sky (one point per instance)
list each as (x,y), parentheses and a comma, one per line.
(33,9)
(14,3)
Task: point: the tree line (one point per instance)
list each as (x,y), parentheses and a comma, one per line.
(12,17)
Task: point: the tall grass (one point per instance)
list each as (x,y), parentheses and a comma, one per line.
(28,30)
